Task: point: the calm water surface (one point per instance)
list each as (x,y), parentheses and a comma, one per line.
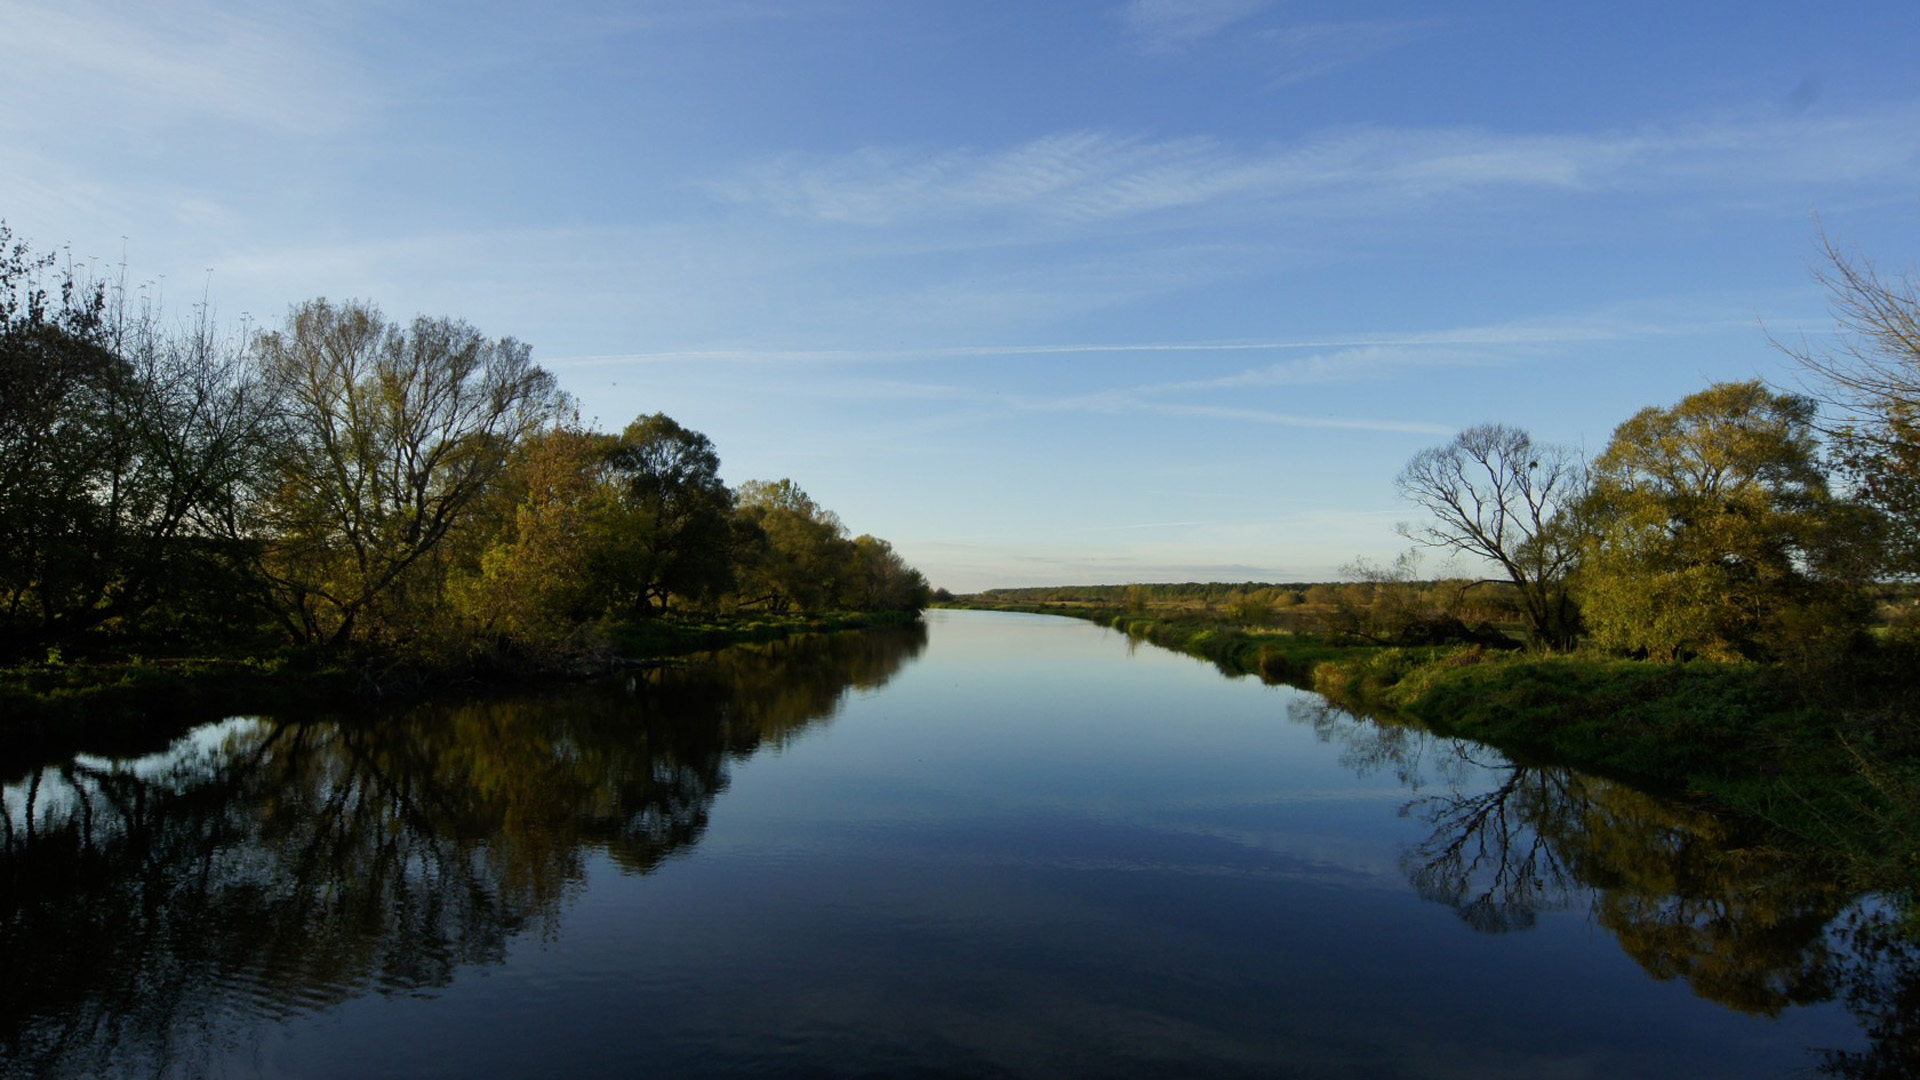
(998,845)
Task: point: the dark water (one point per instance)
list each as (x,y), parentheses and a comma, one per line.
(998,845)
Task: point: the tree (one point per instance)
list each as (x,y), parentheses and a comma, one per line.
(1872,380)
(1715,533)
(1495,494)
(537,576)
(674,536)
(58,382)
(390,435)
(884,581)
(127,448)
(794,552)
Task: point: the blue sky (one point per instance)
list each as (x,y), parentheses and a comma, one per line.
(1042,292)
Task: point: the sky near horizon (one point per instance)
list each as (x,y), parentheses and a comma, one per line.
(1041,292)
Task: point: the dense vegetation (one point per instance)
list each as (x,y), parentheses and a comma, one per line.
(372,491)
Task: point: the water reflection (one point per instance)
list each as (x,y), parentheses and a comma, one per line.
(150,910)
(1689,895)
(1880,982)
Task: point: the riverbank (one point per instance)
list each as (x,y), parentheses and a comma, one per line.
(1831,759)
(108,701)
(1828,761)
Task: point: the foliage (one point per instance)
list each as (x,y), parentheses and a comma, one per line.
(793,551)
(882,580)
(391,433)
(674,529)
(535,579)
(1714,533)
(1388,605)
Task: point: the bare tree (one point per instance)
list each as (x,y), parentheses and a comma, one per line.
(1876,365)
(1870,380)
(1495,494)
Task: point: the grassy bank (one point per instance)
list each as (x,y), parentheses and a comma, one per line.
(1832,762)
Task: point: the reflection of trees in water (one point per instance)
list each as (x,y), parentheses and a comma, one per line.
(148,913)
(1880,983)
(1694,896)
(1487,857)
(1688,894)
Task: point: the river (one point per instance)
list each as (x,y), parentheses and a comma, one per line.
(992,845)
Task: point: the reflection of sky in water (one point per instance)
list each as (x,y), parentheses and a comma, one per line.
(1035,850)
(198,745)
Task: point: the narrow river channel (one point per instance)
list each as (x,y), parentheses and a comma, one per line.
(992,845)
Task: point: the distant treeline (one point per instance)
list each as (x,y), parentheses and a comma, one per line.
(1373,606)
(350,480)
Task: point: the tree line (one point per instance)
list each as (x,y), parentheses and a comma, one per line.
(1743,522)
(347,479)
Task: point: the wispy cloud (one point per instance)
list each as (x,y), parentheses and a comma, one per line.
(1290,52)
(1070,175)
(1299,53)
(1089,177)
(1160,25)
(1296,420)
(1364,363)
(1144,400)
(142,65)
(1340,358)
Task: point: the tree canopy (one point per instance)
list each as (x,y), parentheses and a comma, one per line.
(1714,532)
(675,513)
(390,433)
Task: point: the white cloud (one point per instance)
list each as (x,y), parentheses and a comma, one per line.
(1291,53)
(1157,25)
(135,66)
(1359,356)
(1141,401)
(1084,178)
(1299,53)
(1364,363)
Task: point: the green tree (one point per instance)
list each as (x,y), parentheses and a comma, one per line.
(1494,494)
(537,576)
(794,553)
(674,533)
(884,581)
(1715,533)
(391,433)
